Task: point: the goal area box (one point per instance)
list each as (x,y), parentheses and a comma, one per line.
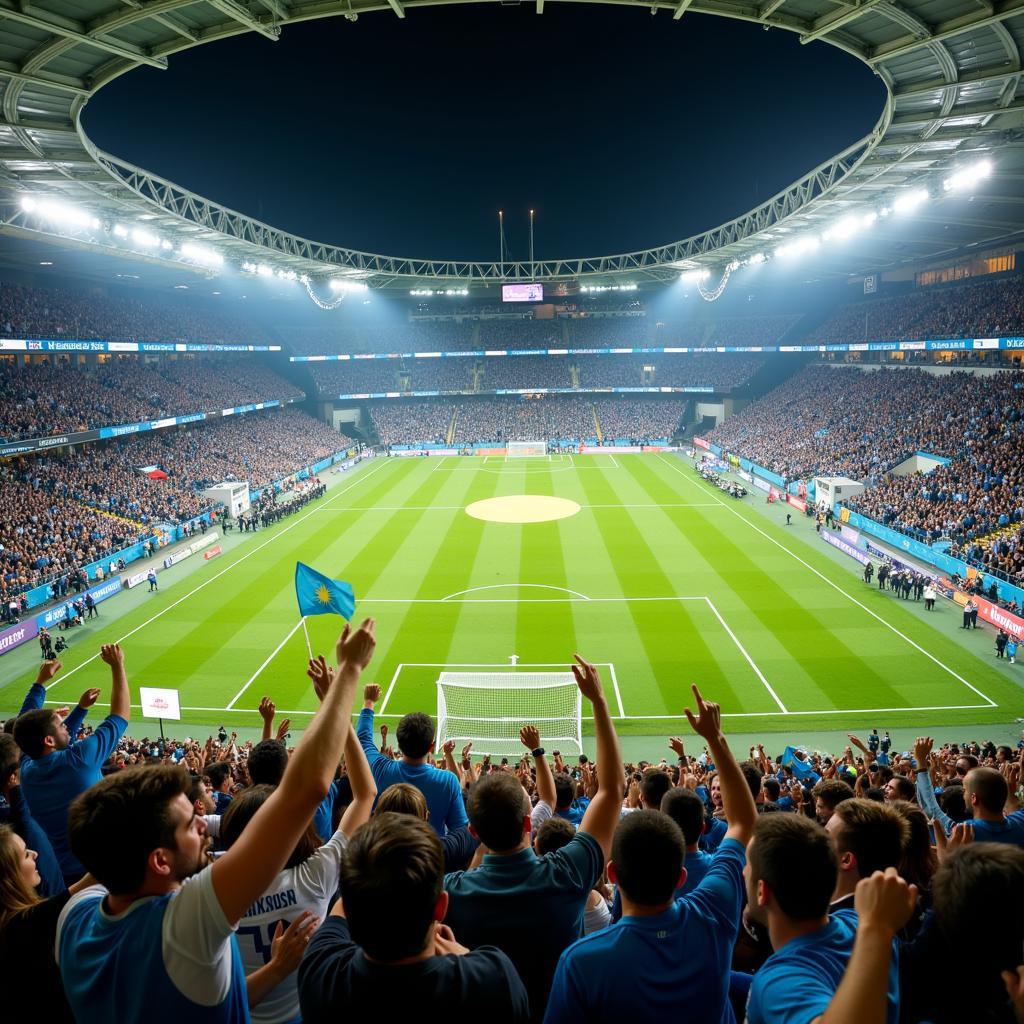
(488,709)
(527,449)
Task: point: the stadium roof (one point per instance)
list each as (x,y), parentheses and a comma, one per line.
(952,69)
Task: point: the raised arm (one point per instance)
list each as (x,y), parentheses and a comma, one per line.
(364,789)
(737,800)
(602,815)
(37,691)
(267,711)
(364,728)
(78,713)
(245,871)
(529,736)
(884,903)
(450,764)
(120,699)
(925,791)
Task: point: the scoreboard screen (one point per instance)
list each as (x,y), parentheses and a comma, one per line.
(522,293)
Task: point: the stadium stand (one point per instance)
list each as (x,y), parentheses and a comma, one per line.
(45,398)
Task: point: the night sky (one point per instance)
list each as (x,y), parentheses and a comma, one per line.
(622,130)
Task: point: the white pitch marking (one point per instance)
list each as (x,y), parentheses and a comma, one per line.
(835,586)
(750,660)
(255,675)
(458,508)
(387,696)
(195,590)
(519,600)
(503,586)
(615,687)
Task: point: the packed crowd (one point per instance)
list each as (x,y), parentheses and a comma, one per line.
(978,309)
(254,881)
(58,314)
(517,420)
(637,420)
(62,512)
(410,423)
(349,334)
(706,370)
(45,399)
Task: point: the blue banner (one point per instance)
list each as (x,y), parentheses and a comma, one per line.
(46,345)
(767,474)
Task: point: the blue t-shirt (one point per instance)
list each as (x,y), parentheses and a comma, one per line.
(441,790)
(713,835)
(1009,831)
(222,801)
(530,907)
(668,967)
(51,783)
(797,982)
(175,952)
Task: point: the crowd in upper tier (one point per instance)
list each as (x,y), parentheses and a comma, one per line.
(63,512)
(43,399)
(978,309)
(548,419)
(228,881)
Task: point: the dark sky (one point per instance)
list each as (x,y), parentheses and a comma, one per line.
(622,130)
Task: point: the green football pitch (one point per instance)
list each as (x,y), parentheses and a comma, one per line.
(658,577)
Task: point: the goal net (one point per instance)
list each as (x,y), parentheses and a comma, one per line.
(527,449)
(489,708)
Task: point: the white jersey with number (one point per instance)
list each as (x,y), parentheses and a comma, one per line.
(309,886)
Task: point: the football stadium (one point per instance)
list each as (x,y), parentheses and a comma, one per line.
(572,638)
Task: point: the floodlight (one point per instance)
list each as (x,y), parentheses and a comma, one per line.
(201,254)
(145,238)
(59,213)
(909,201)
(808,243)
(264,271)
(693,276)
(120,231)
(968,177)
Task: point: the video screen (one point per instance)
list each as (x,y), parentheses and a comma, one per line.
(522,293)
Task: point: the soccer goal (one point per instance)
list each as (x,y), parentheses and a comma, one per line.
(489,708)
(527,449)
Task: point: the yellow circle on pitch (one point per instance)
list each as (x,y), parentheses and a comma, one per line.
(523,508)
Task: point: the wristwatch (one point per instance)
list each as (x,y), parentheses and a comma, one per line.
(539,752)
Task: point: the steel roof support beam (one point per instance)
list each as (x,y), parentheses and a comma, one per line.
(947,30)
(278,8)
(397,7)
(769,9)
(236,12)
(74,86)
(831,22)
(34,17)
(971,110)
(681,9)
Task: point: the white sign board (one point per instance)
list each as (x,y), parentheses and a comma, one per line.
(158,703)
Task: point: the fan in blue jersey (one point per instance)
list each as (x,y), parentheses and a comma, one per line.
(838,965)
(668,958)
(159,930)
(54,770)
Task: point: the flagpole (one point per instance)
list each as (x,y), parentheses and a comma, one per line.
(309,646)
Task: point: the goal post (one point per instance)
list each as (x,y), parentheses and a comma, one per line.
(488,709)
(527,449)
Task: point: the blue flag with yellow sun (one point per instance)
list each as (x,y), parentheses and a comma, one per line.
(320,595)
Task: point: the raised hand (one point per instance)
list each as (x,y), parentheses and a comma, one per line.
(677,745)
(282,729)
(448,749)
(320,674)
(588,679)
(962,835)
(922,750)
(47,670)
(112,655)
(708,721)
(356,646)
(371,693)
(465,751)
(267,709)
(89,698)
(884,900)
(529,736)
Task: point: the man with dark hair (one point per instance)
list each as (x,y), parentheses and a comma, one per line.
(55,770)
(267,762)
(974,892)
(387,938)
(565,805)
(826,968)
(159,930)
(654,784)
(985,795)
(828,794)
(868,837)
(668,954)
(533,907)
(899,787)
(219,774)
(415,736)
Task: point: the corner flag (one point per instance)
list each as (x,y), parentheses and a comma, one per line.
(318,594)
